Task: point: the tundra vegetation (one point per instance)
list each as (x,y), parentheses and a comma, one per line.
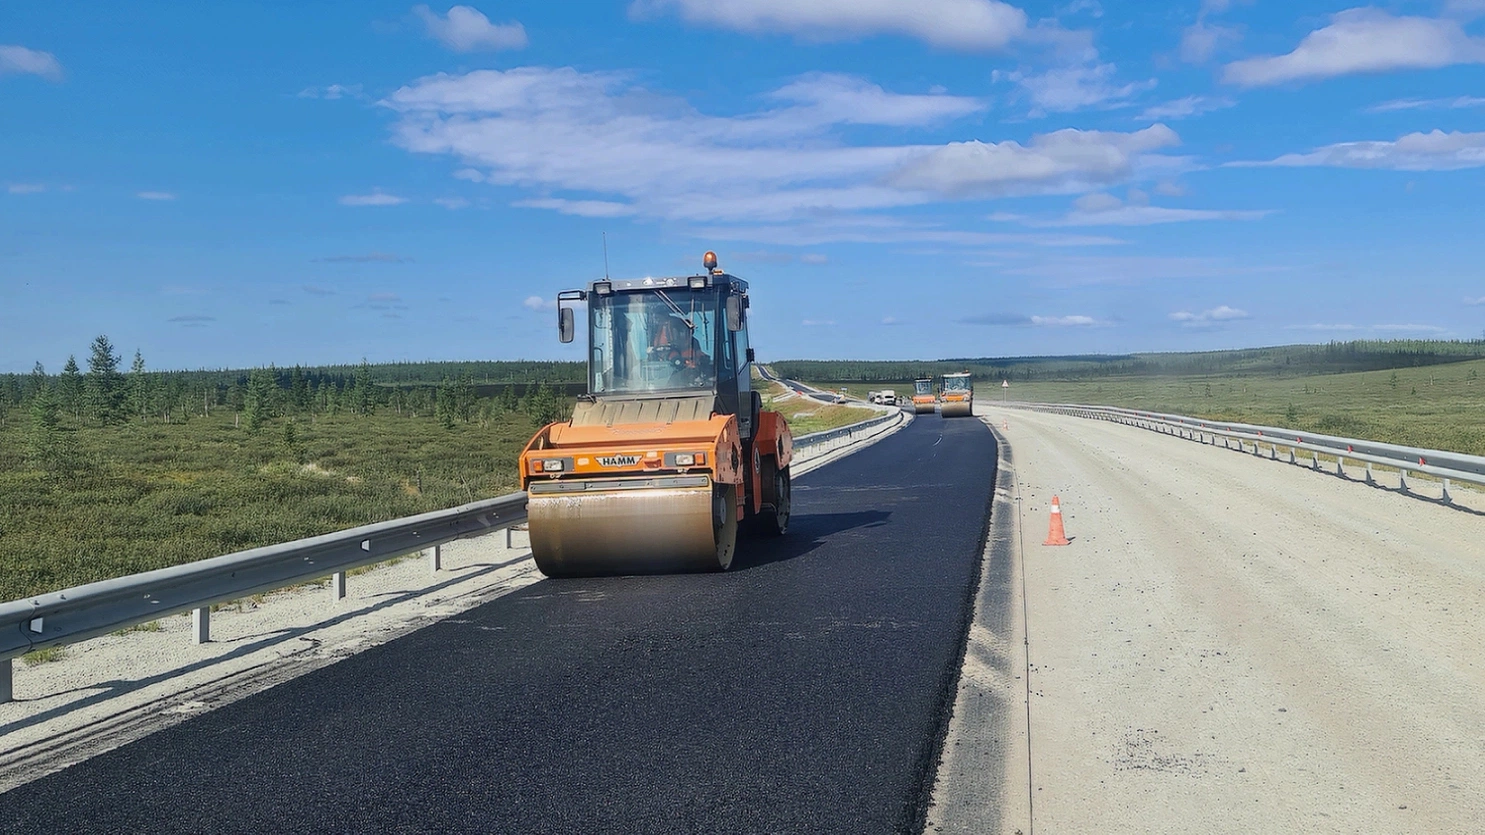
(105,472)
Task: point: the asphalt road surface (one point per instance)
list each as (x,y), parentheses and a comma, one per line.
(806,690)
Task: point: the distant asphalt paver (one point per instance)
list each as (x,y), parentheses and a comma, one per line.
(806,690)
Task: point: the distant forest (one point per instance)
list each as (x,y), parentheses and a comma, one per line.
(107,391)
(1280,361)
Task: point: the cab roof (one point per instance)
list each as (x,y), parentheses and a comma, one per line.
(719,279)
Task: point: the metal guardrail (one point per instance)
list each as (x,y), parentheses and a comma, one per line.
(824,436)
(77,614)
(1447,466)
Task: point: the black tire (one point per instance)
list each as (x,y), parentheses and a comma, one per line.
(724,524)
(773,519)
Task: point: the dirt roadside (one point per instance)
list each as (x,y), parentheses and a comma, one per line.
(1232,644)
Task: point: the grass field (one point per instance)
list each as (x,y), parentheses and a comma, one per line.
(145,496)
(1437,406)
(806,415)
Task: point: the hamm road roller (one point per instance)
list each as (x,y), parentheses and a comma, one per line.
(923,399)
(957,395)
(670,451)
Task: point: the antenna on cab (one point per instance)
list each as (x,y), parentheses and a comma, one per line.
(605,255)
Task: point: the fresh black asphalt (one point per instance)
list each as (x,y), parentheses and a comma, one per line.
(806,690)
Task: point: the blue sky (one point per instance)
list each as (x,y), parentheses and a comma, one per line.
(237,184)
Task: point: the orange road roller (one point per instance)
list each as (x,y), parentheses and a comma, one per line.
(669,452)
(956,396)
(923,399)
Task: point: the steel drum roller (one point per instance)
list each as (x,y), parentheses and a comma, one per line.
(633,531)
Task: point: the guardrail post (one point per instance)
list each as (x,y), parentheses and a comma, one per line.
(1369,479)
(1340,466)
(1446,491)
(1293,459)
(435,555)
(1402,480)
(7,693)
(1315,461)
(201,624)
(337,585)
(508,545)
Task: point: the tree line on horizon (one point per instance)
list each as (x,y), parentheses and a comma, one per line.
(105,395)
(1286,360)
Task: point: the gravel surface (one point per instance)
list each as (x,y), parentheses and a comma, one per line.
(1236,645)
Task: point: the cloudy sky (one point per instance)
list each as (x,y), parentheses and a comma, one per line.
(240,183)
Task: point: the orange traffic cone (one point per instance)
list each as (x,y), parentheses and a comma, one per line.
(1055,534)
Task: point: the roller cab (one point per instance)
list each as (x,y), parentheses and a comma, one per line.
(923,397)
(669,452)
(957,395)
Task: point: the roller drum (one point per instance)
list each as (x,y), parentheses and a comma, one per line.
(962,408)
(633,531)
(923,408)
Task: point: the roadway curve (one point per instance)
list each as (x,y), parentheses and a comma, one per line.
(1232,644)
(807,690)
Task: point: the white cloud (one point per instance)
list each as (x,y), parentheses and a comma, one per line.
(332,92)
(1170,188)
(1208,318)
(1465,9)
(617,148)
(1065,161)
(376,198)
(813,259)
(1359,41)
(1100,201)
(1455,103)
(1434,151)
(1410,328)
(23,61)
(155,195)
(954,24)
(817,232)
(452,202)
(834,98)
(580,208)
(538,303)
(1150,216)
(1201,40)
(891,320)
(1184,108)
(1477,300)
(818,323)
(1104,209)
(1075,87)
(25,188)
(466,29)
(1064,321)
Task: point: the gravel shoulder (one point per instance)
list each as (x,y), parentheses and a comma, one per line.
(1232,644)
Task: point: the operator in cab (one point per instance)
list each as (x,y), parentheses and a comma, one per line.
(673,342)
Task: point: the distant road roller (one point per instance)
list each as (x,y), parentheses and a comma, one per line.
(670,451)
(957,395)
(923,399)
